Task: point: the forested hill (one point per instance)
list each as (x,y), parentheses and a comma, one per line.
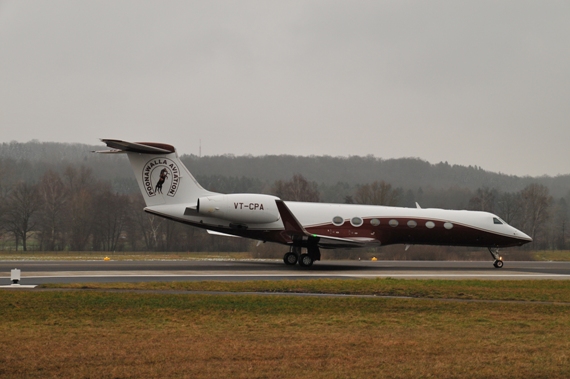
(29,161)
(407,173)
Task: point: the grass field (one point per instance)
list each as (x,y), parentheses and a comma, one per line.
(525,290)
(552,255)
(104,334)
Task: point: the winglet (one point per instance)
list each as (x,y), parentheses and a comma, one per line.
(418,206)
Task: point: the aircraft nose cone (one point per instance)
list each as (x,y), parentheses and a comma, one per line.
(521,236)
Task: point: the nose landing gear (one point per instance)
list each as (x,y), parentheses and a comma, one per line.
(498,263)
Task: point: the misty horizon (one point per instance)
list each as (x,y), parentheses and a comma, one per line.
(474,83)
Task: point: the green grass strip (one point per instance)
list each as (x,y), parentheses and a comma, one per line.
(520,290)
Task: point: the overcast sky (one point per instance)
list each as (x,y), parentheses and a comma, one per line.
(483,83)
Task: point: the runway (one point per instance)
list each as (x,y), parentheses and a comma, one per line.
(40,272)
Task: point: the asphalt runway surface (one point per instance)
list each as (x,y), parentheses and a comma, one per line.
(40,272)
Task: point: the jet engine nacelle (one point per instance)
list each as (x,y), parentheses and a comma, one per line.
(240,207)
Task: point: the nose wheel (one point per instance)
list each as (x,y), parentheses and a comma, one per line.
(498,263)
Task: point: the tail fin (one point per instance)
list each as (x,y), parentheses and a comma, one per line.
(162,177)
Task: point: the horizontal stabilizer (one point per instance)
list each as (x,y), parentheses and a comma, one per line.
(139,147)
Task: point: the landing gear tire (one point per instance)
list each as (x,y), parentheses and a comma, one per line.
(498,263)
(290,259)
(305,260)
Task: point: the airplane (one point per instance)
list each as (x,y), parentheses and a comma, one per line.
(170,191)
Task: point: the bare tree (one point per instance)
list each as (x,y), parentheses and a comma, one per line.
(559,224)
(109,220)
(80,219)
(378,193)
(21,207)
(536,202)
(171,236)
(142,226)
(133,212)
(78,178)
(6,172)
(82,187)
(54,198)
(484,200)
(510,207)
(296,189)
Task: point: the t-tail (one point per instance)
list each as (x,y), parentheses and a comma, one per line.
(162,177)
(170,191)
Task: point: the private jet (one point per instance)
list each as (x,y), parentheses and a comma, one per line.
(170,191)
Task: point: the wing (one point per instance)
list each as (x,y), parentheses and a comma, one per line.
(294,230)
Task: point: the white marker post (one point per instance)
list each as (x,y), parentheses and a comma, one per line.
(15,277)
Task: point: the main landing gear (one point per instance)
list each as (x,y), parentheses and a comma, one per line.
(307,259)
(498,259)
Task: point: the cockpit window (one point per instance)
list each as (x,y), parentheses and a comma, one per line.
(497,221)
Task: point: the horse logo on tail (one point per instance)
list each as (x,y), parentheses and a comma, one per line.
(162,178)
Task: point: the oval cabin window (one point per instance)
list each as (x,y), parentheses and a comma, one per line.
(338,221)
(356,221)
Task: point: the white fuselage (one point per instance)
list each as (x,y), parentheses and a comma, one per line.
(383,224)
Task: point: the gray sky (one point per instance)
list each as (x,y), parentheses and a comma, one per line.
(483,83)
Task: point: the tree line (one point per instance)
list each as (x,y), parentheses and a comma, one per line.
(76,211)
(32,159)
(62,197)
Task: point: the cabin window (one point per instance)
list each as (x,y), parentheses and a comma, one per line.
(393,223)
(448,225)
(497,221)
(356,221)
(374,222)
(337,220)
(430,224)
(412,224)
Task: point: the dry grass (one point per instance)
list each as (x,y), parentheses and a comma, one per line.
(552,255)
(84,334)
(526,290)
